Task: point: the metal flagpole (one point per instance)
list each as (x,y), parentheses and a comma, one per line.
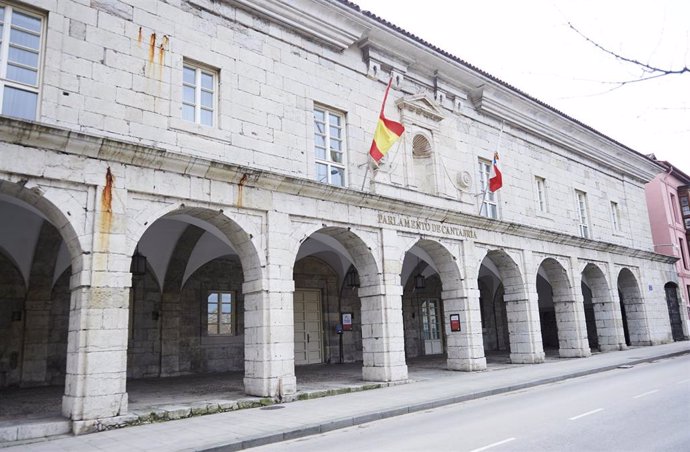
(366,173)
(486,188)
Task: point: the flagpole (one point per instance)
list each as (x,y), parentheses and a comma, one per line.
(486,188)
(366,173)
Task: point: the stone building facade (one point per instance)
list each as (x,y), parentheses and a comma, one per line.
(185,188)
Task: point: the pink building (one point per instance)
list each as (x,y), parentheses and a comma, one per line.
(668,203)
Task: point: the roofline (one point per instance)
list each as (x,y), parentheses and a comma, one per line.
(493,78)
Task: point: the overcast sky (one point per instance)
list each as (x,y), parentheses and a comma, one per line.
(528,44)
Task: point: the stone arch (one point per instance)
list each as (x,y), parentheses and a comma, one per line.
(524,340)
(342,248)
(231,228)
(635,326)
(464,347)
(568,315)
(601,313)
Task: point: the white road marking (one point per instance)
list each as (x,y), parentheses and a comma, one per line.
(645,393)
(493,445)
(585,414)
(683,381)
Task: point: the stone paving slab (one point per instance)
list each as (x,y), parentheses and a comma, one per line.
(248,428)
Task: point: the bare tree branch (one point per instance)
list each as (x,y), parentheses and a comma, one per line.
(654,71)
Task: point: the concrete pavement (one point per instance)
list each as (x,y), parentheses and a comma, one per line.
(251,427)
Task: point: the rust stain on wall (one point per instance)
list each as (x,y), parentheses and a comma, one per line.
(140,37)
(161,55)
(107,204)
(152,47)
(240,189)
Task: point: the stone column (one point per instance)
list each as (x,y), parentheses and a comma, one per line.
(269,342)
(523,319)
(269,339)
(465,347)
(383,344)
(570,316)
(97,339)
(383,336)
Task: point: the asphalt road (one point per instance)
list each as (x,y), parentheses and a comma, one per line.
(642,408)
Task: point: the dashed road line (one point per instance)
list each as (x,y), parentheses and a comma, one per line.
(645,394)
(493,445)
(585,414)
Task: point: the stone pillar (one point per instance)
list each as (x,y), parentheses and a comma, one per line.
(383,344)
(609,323)
(523,319)
(99,314)
(570,315)
(269,342)
(465,347)
(269,339)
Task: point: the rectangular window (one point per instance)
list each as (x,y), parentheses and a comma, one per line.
(674,207)
(541,194)
(582,213)
(687,224)
(20,55)
(489,206)
(199,87)
(329,146)
(615,217)
(684,206)
(681,242)
(220,314)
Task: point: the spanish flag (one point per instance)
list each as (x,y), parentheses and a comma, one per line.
(387,132)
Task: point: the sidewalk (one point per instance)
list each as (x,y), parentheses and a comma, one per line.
(252,427)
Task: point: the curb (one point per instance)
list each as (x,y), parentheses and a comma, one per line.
(336,424)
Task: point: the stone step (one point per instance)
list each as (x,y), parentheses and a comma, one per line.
(30,429)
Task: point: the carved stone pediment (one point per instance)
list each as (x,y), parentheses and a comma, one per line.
(421,105)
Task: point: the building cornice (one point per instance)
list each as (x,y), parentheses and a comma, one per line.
(57,139)
(313,19)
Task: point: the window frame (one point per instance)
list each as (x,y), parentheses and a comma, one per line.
(681,246)
(488,198)
(615,217)
(542,202)
(199,70)
(583,214)
(218,323)
(5,44)
(328,162)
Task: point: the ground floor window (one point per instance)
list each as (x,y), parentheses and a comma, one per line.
(220,314)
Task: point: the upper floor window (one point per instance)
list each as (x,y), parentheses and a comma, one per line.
(681,244)
(20,52)
(489,206)
(329,146)
(199,94)
(684,206)
(615,216)
(582,213)
(674,208)
(541,194)
(220,318)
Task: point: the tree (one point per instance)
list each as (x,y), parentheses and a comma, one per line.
(649,71)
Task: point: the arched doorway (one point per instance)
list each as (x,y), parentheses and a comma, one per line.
(562,318)
(36,262)
(439,319)
(673,303)
(189,299)
(340,310)
(508,321)
(632,309)
(604,326)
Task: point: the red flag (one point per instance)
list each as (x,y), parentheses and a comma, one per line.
(495,177)
(387,132)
